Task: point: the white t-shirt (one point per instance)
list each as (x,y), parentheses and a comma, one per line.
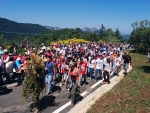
(57,49)
(62,51)
(104,60)
(99,64)
(9,67)
(91,65)
(117,61)
(84,59)
(107,67)
(43,47)
(89,58)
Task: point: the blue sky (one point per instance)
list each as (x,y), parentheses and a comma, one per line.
(77,13)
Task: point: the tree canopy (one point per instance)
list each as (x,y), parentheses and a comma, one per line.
(140,36)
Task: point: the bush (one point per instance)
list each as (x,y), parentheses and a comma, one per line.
(69,41)
(141,49)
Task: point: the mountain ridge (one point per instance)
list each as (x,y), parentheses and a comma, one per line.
(9,26)
(87,29)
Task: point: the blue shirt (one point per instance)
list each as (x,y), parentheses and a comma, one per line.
(50,66)
(1,52)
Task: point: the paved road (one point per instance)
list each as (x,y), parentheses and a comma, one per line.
(11,100)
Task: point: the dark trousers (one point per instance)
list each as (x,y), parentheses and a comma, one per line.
(106,76)
(91,72)
(1,78)
(73,91)
(7,77)
(19,75)
(13,76)
(82,76)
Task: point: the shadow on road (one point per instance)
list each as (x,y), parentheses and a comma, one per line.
(4,90)
(48,101)
(56,88)
(79,98)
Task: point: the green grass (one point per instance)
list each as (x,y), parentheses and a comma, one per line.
(131,94)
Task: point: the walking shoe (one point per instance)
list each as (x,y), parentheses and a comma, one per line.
(16,85)
(86,83)
(47,93)
(36,110)
(104,82)
(60,85)
(72,104)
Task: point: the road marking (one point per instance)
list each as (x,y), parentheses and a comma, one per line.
(96,84)
(12,85)
(67,104)
(62,107)
(84,93)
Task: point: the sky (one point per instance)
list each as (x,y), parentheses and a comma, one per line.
(77,13)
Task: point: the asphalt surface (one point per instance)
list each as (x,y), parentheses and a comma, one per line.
(11,99)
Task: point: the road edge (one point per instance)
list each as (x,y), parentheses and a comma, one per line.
(87,102)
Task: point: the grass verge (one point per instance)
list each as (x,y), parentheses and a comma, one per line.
(131,94)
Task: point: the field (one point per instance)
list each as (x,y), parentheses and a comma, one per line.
(131,94)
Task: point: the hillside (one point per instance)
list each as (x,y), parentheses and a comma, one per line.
(12,27)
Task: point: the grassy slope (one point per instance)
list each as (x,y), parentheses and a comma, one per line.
(131,94)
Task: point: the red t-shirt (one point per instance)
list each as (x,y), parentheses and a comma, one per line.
(75,74)
(83,68)
(49,54)
(63,66)
(56,64)
(5,57)
(24,58)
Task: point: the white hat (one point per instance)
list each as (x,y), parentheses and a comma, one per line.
(104,52)
(48,48)
(5,50)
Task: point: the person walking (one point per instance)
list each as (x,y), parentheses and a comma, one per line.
(63,70)
(107,70)
(83,70)
(98,67)
(91,66)
(73,73)
(34,81)
(116,65)
(50,68)
(126,61)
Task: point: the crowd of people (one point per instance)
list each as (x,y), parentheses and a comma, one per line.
(72,62)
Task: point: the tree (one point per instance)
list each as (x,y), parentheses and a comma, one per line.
(140,36)
(117,33)
(102,31)
(109,32)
